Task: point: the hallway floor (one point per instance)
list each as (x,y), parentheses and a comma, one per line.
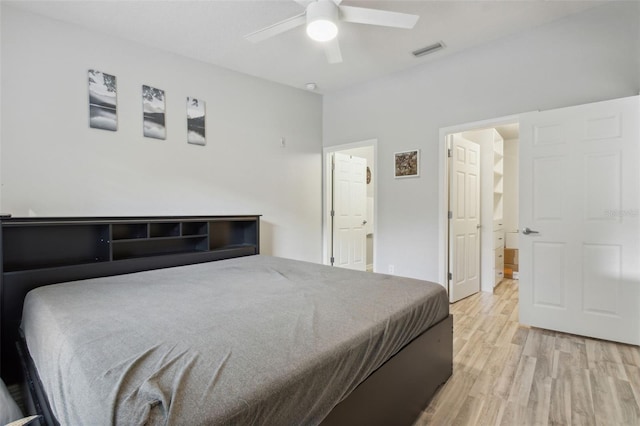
(508,374)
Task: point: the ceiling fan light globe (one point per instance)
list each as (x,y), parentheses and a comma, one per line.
(322,30)
(322,16)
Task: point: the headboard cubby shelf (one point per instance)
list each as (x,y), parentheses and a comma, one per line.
(195,228)
(164,229)
(42,251)
(129,231)
(231,234)
(34,246)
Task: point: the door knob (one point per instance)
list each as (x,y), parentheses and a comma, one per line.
(364,222)
(527,231)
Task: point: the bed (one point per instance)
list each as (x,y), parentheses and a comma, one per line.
(239,339)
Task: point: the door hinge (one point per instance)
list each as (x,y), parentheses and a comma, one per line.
(450,215)
(449,152)
(450,276)
(333,213)
(332,260)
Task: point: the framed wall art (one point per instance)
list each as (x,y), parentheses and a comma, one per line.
(196,121)
(103,101)
(153,113)
(406,164)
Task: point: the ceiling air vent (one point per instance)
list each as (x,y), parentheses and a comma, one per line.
(428,49)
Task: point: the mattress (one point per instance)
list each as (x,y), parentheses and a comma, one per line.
(252,340)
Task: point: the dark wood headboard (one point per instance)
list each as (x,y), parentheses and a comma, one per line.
(40,251)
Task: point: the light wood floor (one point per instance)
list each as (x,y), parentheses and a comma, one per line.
(508,374)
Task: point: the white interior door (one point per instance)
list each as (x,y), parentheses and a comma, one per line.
(464,207)
(580,193)
(349,212)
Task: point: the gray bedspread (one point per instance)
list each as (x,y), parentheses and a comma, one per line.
(254,340)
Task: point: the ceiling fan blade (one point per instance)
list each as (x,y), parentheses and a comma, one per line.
(278,28)
(332,50)
(385,18)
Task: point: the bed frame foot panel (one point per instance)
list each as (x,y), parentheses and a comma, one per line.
(401,389)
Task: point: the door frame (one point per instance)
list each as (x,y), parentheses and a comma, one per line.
(443,185)
(327,194)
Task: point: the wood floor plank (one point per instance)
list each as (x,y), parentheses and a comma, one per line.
(469,412)
(450,400)
(521,387)
(604,356)
(486,381)
(514,414)
(634,381)
(539,404)
(629,409)
(492,411)
(492,326)
(504,381)
(540,346)
(509,374)
(507,334)
(630,354)
(560,405)
(604,398)
(472,356)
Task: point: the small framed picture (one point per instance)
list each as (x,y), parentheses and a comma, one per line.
(196,121)
(153,113)
(406,164)
(103,101)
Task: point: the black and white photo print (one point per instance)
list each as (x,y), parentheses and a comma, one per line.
(195,121)
(102,101)
(153,107)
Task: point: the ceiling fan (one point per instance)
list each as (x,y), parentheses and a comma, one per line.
(322,17)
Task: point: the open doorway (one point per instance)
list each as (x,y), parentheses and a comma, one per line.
(349,188)
(476,251)
(578,245)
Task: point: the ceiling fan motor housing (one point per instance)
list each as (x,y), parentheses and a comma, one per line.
(322,17)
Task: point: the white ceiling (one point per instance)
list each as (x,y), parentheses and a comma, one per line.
(213,31)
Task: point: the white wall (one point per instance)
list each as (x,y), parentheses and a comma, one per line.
(53,164)
(588,57)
